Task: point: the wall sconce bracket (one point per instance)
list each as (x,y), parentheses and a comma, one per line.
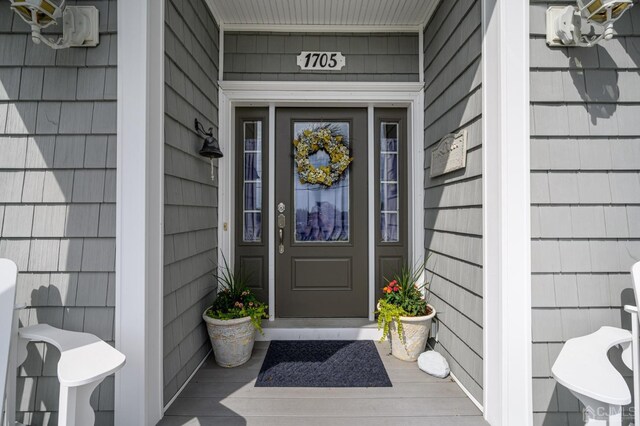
(564,23)
(80,24)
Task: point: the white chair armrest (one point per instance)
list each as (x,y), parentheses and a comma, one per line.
(84,358)
(631,309)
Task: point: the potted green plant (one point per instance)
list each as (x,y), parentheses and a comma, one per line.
(233,318)
(404,313)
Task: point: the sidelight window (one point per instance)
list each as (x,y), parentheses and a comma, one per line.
(389,182)
(252,181)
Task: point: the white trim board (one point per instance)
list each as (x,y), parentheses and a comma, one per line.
(276,89)
(506,216)
(226,180)
(335,29)
(466,392)
(139,213)
(415,135)
(221,54)
(272,206)
(306,333)
(186,382)
(371,188)
(421,57)
(460,385)
(312,94)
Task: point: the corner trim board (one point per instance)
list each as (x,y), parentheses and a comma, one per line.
(506,214)
(139,213)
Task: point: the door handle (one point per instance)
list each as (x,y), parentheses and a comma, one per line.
(281,224)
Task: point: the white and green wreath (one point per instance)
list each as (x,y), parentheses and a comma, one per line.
(311,141)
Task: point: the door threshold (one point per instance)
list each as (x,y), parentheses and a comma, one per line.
(319,329)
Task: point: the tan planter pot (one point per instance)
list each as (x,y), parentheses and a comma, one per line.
(415,333)
(232,340)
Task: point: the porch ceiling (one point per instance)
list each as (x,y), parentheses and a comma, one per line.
(356,13)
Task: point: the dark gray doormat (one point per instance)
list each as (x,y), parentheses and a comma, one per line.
(322,364)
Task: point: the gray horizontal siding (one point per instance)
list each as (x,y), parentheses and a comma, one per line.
(585,195)
(453,202)
(57,196)
(272,56)
(191,198)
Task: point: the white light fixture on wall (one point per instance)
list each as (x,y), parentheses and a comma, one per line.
(564,23)
(79,23)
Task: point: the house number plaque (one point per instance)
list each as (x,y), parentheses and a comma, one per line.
(321,61)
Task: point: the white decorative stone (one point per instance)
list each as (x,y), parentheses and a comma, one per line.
(431,362)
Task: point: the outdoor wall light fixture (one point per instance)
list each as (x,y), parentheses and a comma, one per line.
(79,23)
(210,147)
(564,23)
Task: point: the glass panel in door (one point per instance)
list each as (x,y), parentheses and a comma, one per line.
(321,212)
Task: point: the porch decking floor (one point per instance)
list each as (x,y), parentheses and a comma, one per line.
(218,396)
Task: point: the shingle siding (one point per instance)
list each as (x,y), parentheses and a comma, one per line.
(190,214)
(585,195)
(369,57)
(57,139)
(453,202)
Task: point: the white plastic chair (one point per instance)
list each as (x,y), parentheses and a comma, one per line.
(633,310)
(85,360)
(584,368)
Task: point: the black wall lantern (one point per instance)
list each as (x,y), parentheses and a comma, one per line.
(210,148)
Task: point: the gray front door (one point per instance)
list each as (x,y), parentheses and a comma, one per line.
(321,231)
